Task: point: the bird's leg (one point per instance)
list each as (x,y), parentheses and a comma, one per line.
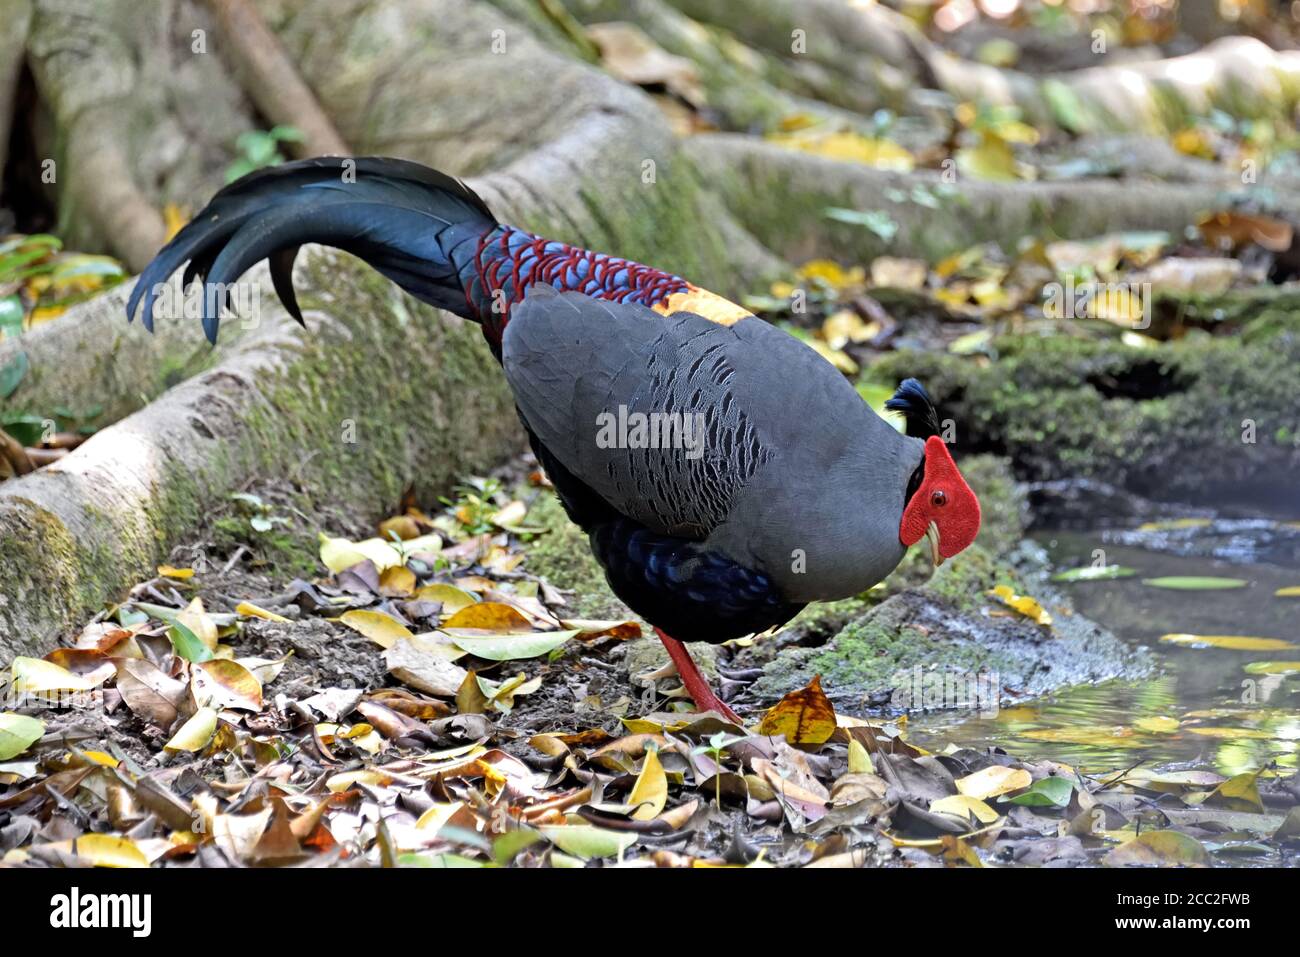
(696,684)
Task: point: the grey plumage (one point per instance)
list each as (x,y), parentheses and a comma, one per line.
(813,499)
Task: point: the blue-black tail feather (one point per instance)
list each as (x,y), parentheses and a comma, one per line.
(417,226)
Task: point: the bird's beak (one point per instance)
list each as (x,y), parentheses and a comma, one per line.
(932,536)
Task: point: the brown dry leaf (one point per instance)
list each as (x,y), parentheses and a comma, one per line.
(629,54)
(487,617)
(148,692)
(589,629)
(403,527)
(1229,229)
(803,717)
(94,666)
(278,844)
(426,664)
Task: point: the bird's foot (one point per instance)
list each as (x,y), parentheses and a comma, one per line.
(696,684)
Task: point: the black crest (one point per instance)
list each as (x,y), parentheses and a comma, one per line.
(917,409)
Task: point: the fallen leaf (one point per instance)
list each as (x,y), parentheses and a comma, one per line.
(167,571)
(1090,573)
(1023,604)
(224,683)
(195,733)
(1165,848)
(397,582)
(105,850)
(1239,793)
(964,806)
(487,617)
(993,781)
(148,692)
(1273,668)
(453,599)
(650,793)
(1195,582)
(1045,792)
(249,610)
(425,664)
(512,647)
(383,630)
(586,841)
(1230,642)
(18,732)
(37,676)
(803,717)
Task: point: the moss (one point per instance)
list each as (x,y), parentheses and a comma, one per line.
(1163,421)
(563,557)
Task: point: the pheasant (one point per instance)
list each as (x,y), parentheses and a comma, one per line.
(726,475)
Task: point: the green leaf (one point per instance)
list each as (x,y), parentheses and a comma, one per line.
(1090,573)
(11,316)
(1195,582)
(587,841)
(1045,792)
(512,647)
(11,374)
(187,644)
(18,732)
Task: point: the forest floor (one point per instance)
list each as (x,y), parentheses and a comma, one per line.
(432,703)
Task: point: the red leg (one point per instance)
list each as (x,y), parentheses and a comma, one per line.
(696,684)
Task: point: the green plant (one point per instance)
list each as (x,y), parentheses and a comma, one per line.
(716,749)
(261,148)
(475,505)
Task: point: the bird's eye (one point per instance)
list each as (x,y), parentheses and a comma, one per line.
(938,499)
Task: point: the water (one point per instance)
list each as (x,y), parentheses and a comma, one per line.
(1203,708)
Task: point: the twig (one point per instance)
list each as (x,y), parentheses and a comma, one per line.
(272,81)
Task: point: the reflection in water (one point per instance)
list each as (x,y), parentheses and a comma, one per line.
(1208,708)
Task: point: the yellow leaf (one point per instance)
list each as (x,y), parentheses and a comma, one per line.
(488,616)
(167,571)
(37,676)
(804,717)
(1230,642)
(1022,604)
(382,629)
(1160,724)
(650,793)
(195,733)
(197,620)
(1159,847)
(225,683)
(453,599)
(174,219)
(249,610)
(105,850)
(850,147)
(1291,591)
(993,781)
(963,806)
(397,581)
(18,732)
(859,758)
(832,273)
(1240,793)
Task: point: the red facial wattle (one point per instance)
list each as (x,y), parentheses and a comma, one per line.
(945,499)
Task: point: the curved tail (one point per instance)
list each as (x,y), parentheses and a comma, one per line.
(418,227)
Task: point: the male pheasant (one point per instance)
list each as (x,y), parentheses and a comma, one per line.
(778,485)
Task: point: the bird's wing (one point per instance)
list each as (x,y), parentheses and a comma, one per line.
(665,418)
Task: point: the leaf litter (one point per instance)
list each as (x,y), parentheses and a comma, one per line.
(433,704)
